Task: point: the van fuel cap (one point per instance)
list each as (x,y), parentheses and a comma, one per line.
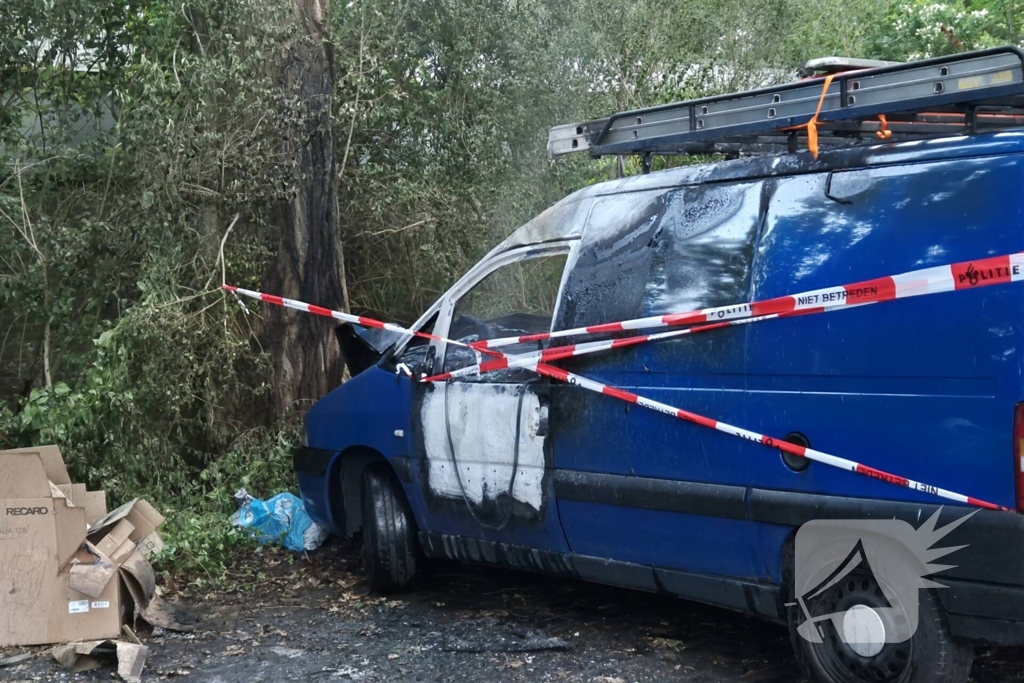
(795,462)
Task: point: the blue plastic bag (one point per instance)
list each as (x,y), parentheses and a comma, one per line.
(281,519)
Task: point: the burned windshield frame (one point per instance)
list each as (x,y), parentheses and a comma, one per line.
(518,297)
(489,265)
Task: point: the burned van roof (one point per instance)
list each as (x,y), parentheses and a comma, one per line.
(960,146)
(566,218)
(562,220)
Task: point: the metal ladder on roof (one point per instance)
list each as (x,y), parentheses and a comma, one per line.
(953,95)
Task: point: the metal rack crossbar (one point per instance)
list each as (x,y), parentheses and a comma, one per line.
(942,96)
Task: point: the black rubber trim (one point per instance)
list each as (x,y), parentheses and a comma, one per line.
(466,549)
(311,461)
(615,573)
(793,509)
(734,594)
(712,500)
(994,540)
(972,599)
(986,631)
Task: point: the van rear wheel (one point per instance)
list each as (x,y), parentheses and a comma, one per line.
(390,547)
(929,656)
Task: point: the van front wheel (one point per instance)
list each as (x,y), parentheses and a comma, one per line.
(390,548)
(929,656)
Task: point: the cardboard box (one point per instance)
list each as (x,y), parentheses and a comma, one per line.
(95,507)
(41,535)
(116,543)
(144,520)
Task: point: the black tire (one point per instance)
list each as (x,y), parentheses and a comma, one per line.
(390,549)
(930,656)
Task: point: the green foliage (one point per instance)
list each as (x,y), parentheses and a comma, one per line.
(144,155)
(931,29)
(200,542)
(127,154)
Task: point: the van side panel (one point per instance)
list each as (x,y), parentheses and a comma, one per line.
(922,388)
(624,475)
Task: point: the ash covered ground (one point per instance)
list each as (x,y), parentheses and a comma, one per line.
(314,620)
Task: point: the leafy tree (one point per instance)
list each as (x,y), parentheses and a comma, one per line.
(351,153)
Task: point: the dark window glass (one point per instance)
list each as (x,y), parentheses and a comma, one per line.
(518,298)
(657,252)
(415,353)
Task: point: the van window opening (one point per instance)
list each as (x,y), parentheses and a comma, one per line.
(517,298)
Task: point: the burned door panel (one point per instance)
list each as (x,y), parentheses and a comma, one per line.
(608,279)
(483,445)
(485,462)
(651,253)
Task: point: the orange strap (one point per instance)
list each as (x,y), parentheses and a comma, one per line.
(812,125)
(883,132)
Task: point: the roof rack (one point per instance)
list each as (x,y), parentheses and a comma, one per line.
(963,93)
(827,65)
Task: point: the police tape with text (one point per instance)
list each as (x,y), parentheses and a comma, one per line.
(934,280)
(964,275)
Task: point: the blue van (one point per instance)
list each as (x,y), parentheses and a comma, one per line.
(511,469)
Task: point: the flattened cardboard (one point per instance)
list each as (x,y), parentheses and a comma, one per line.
(95,506)
(75,493)
(53,463)
(150,545)
(131,658)
(28,555)
(169,616)
(145,518)
(70,525)
(90,571)
(79,657)
(23,476)
(139,512)
(140,579)
(122,552)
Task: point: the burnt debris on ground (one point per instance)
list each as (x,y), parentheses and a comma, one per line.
(312,618)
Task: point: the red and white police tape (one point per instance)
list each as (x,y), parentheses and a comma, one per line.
(957,276)
(558,352)
(344,317)
(770,442)
(965,275)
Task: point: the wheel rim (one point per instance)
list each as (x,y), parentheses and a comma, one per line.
(860,596)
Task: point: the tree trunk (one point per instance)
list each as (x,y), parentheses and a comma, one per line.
(308,265)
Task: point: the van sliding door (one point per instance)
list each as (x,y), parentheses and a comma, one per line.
(632,484)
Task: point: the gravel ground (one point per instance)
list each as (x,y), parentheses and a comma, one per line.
(314,620)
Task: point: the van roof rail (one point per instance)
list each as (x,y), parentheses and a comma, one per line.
(952,95)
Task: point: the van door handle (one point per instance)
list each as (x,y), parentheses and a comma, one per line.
(828,191)
(542,390)
(542,420)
